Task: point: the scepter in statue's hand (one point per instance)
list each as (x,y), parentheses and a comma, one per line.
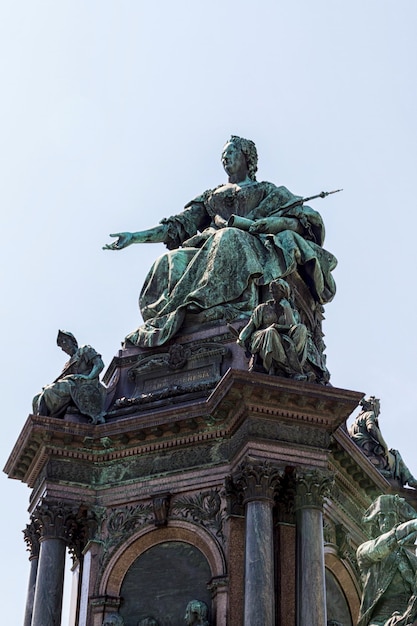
(322,194)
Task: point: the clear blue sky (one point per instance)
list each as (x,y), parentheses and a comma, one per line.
(113,116)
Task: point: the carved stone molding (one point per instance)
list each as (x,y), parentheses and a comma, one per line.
(31,536)
(311,489)
(255,480)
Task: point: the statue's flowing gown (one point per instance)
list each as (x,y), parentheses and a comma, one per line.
(209,266)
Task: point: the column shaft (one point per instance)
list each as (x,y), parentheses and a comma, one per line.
(311,589)
(259,565)
(312,487)
(31,591)
(47,607)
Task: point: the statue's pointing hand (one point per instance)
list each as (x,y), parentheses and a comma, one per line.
(124,240)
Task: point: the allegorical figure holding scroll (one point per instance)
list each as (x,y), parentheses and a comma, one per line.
(226,244)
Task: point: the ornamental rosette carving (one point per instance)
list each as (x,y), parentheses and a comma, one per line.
(311,489)
(255,480)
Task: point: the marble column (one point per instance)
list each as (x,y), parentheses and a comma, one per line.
(257,481)
(31,536)
(56,523)
(312,487)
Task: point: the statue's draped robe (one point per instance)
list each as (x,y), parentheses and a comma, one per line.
(287,349)
(388,574)
(63,391)
(209,266)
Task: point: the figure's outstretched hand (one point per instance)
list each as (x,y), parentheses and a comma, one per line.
(123,240)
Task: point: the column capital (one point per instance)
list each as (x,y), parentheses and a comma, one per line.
(311,488)
(59,520)
(255,480)
(31,536)
(54,519)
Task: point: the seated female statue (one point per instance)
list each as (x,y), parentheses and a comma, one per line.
(215,269)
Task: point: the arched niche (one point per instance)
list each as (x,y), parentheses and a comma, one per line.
(162,581)
(342,591)
(172,564)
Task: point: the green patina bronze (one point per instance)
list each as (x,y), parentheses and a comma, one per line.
(274,332)
(388,564)
(196,613)
(218,262)
(77,385)
(366,433)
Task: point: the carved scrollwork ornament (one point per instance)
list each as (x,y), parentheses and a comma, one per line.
(312,487)
(257,480)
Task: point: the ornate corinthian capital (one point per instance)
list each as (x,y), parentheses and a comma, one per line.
(311,488)
(31,535)
(58,520)
(54,519)
(255,480)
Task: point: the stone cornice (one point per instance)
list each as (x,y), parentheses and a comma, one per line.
(238,395)
(349,460)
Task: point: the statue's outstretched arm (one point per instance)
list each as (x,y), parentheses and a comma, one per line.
(156,234)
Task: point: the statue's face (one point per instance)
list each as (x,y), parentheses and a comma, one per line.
(190,617)
(276,291)
(386,520)
(233,158)
(67,345)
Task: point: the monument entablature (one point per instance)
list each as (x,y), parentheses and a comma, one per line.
(240,396)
